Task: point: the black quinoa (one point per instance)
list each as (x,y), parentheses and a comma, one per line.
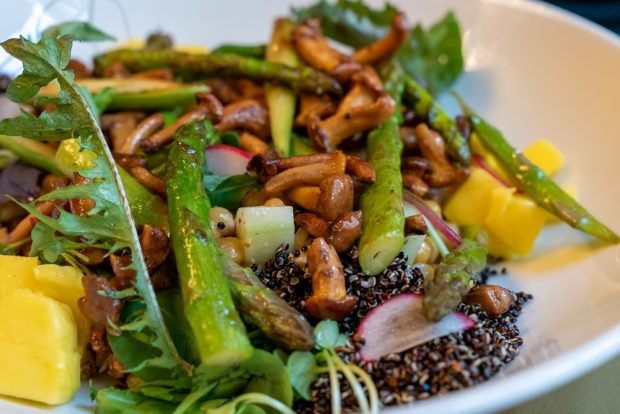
(450,363)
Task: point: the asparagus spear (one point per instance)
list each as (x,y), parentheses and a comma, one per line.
(280,99)
(252,51)
(262,307)
(425,105)
(164,99)
(454,278)
(383,220)
(220,334)
(34,153)
(191,66)
(534,182)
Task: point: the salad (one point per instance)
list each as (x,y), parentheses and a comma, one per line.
(289,227)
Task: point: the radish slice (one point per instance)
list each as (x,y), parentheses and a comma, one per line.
(227,160)
(447,232)
(480,163)
(398,324)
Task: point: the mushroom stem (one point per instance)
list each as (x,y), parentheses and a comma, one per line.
(311,174)
(25,226)
(149,180)
(145,128)
(329,298)
(163,137)
(385,46)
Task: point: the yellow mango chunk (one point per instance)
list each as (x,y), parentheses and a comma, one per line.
(16,272)
(469,204)
(64,284)
(515,220)
(39,359)
(546,156)
(498,248)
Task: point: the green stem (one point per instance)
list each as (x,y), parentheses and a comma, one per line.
(34,153)
(183,96)
(263,399)
(426,106)
(191,66)
(192,398)
(334,383)
(281,100)
(383,220)
(370,385)
(220,334)
(353,382)
(252,51)
(535,183)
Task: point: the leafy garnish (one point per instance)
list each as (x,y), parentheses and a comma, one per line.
(433,56)
(305,367)
(110,222)
(81,31)
(228,191)
(303,372)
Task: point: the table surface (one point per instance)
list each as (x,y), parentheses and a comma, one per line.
(597,392)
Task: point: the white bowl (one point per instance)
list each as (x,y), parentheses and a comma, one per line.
(532,70)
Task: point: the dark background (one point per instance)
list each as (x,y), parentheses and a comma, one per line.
(603,12)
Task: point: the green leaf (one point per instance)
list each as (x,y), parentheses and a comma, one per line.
(212,181)
(327,335)
(110,223)
(345,22)
(228,191)
(81,31)
(171,303)
(115,401)
(302,370)
(269,376)
(230,138)
(434,57)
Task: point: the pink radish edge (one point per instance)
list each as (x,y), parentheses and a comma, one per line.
(226,160)
(450,236)
(384,329)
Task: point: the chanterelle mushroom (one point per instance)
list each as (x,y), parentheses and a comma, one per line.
(329,298)
(385,46)
(312,107)
(248,115)
(364,107)
(313,47)
(432,146)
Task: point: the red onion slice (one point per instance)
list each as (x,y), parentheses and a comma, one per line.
(450,236)
(398,324)
(482,164)
(227,160)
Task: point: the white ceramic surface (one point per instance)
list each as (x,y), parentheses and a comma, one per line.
(533,71)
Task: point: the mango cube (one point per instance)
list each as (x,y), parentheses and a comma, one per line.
(515,220)
(468,206)
(39,359)
(64,284)
(16,273)
(546,156)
